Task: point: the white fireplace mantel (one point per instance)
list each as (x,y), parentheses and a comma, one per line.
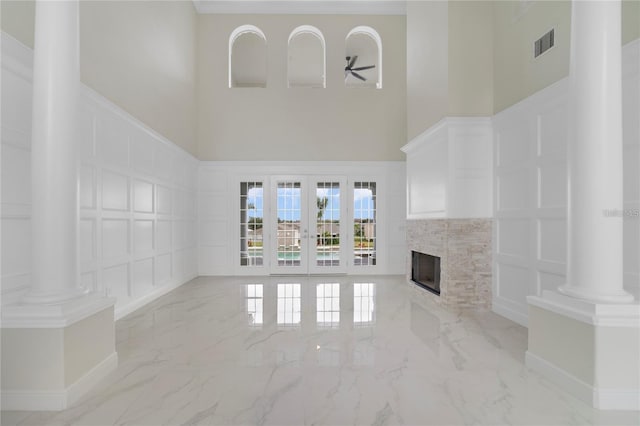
(449,170)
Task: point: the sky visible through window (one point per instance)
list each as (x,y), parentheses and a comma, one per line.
(363,202)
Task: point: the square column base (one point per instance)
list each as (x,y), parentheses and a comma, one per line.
(590,350)
(50,361)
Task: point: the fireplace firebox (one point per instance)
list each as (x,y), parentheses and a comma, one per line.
(425,271)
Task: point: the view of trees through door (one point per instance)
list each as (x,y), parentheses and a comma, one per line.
(327,227)
(308,231)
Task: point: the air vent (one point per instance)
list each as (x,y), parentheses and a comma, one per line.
(543,44)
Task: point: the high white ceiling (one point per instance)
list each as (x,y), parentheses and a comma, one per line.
(325,7)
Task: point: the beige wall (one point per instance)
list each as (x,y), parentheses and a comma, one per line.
(449,62)
(32,359)
(87,343)
(517,74)
(630,20)
(277,123)
(470,58)
(140,55)
(427,65)
(17,19)
(548,333)
(605,357)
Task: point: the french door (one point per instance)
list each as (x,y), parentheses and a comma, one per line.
(308,227)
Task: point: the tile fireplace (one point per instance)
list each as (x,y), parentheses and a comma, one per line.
(463,247)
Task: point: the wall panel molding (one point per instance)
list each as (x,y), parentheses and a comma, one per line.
(449,170)
(131,180)
(530,186)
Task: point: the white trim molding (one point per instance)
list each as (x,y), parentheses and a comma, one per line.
(597,314)
(55,315)
(504,309)
(303,7)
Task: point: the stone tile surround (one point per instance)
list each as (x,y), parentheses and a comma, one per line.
(464,248)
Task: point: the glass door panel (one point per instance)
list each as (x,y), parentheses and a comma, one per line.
(251,217)
(328,248)
(307,231)
(290,227)
(364,223)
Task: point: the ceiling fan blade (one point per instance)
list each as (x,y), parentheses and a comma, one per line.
(352,61)
(358,76)
(363,68)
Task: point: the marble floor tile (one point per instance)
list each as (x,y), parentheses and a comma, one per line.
(319,351)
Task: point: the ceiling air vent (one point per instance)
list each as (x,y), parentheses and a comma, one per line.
(543,44)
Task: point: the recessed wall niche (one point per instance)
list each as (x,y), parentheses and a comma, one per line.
(363,58)
(247,57)
(306,58)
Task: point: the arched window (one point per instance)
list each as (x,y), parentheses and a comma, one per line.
(363,58)
(247,57)
(306,63)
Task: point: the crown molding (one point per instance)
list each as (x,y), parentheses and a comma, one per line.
(302,7)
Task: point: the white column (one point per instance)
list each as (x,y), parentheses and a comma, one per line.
(54,175)
(595,270)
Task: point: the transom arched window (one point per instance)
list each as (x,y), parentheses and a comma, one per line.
(363,58)
(306,58)
(247,57)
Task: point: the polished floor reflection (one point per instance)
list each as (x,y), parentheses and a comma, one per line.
(313,350)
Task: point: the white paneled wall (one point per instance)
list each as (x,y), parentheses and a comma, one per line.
(530,186)
(631,168)
(16,168)
(137,196)
(449,170)
(216,217)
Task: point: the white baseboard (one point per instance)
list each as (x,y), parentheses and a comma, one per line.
(600,398)
(56,400)
(144,300)
(509,313)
